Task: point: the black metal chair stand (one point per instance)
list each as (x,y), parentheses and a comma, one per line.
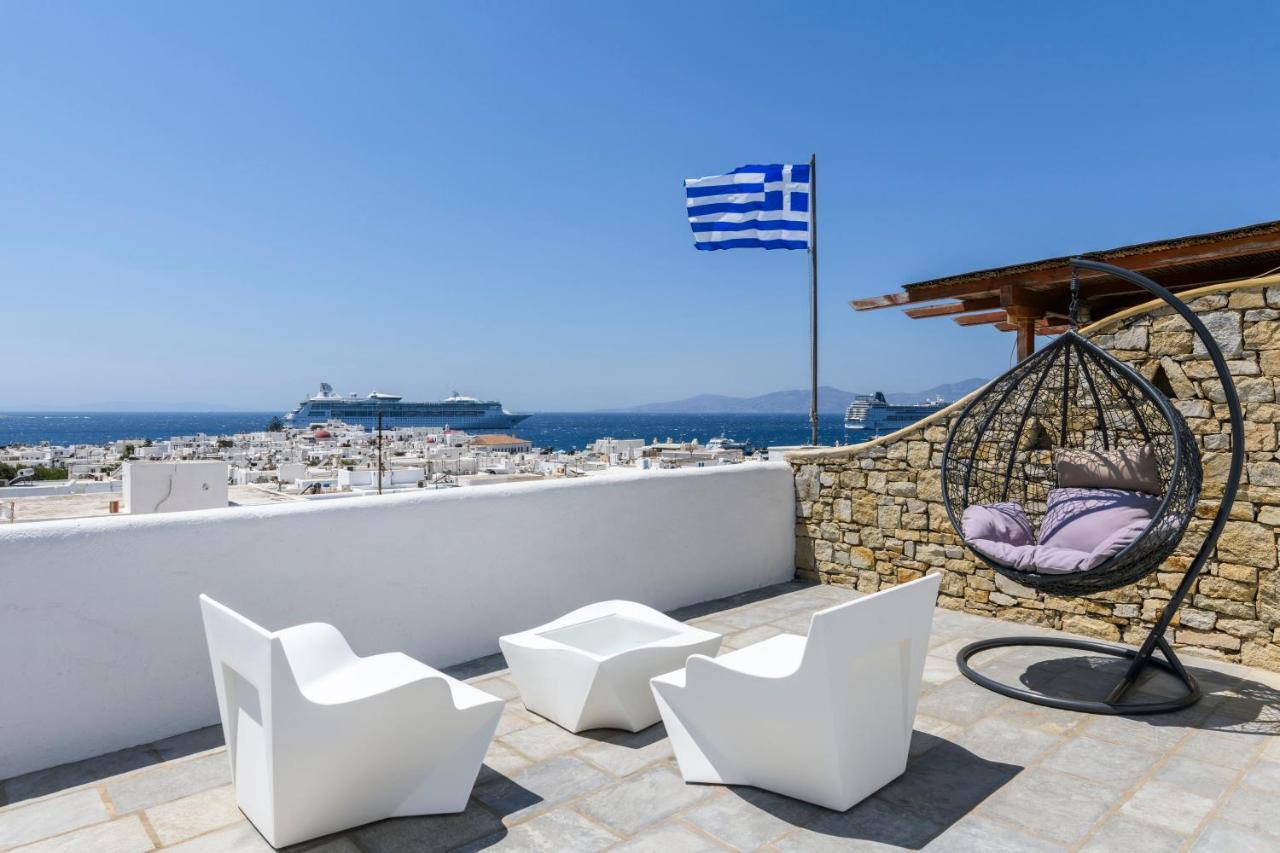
(1072,394)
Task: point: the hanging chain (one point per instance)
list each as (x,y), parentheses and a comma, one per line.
(1073,312)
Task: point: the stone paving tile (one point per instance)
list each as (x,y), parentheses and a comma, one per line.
(939,670)
(515,716)
(1264,775)
(668,838)
(1198,777)
(997,740)
(1101,761)
(749,617)
(871,824)
(960,702)
(928,733)
(1223,837)
(195,815)
(1228,749)
(1149,733)
(742,639)
(26,823)
(1163,805)
(1050,804)
(542,740)
(238,838)
(1254,810)
(540,786)
(169,782)
(626,753)
(797,624)
(642,799)
(501,761)
(559,831)
(978,834)
(747,818)
(120,836)
(64,776)
(1124,833)
(426,834)
(500,685)
(929,789)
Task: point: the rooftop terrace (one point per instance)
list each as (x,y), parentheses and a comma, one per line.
(986,773)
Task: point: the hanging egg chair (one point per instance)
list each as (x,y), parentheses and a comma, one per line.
(1071,415)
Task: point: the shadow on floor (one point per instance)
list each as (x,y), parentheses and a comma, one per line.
(939,788)
(63,776)
(1227,703)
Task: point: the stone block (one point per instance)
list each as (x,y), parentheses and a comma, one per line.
(1216,587)
(1248,543)
(1208,640)
(1200,620)
(1224,326)
(1262,336)
(1090,627)
(1171,343)
(1226,606)
(890,517)
(1246,299)
(1266,656)
(1131,338)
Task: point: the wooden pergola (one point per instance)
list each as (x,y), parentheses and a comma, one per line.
(1034,298)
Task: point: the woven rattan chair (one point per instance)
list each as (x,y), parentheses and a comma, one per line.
(1073,395)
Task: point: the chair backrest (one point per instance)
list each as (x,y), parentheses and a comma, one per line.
(237,643)
(880,620)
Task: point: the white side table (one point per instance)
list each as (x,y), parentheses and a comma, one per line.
(590,668)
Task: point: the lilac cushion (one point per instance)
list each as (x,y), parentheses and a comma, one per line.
(1005,523)
(1082,529)
(1088,519)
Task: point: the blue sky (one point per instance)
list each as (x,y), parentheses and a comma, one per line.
(232,202)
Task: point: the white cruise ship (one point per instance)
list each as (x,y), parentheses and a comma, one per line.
(874,414)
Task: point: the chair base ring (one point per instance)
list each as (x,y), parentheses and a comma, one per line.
(1173,667)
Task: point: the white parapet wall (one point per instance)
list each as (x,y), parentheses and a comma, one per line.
(174,486)
(100,626)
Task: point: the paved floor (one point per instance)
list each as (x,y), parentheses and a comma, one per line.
(987,774)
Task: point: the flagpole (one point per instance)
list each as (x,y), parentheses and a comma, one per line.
(813,296)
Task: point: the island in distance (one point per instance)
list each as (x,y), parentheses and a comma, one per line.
(791,402)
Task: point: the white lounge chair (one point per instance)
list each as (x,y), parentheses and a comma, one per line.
(322,740)
(825,719)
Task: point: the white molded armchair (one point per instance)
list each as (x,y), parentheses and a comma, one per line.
(826,719)
(322,740)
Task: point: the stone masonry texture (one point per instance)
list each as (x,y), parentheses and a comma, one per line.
(871,515)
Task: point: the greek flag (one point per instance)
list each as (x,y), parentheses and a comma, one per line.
(752,207)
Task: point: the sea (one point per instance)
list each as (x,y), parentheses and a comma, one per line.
(557,430)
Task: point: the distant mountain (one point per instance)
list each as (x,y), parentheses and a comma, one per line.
(141,406)
(795,402)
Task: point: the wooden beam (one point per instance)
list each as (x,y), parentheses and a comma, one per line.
(982,319)
(889,300)
(1026,337)
(946,309)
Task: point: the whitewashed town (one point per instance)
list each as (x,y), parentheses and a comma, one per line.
(321,461)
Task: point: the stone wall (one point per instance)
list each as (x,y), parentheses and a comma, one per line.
(871,515)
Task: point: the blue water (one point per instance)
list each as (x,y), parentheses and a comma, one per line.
(560,430)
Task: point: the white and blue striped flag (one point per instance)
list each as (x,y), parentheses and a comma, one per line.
(752,207)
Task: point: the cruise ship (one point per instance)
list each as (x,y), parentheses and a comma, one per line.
(874,414)
(457,412)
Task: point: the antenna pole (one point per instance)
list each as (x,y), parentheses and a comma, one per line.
(379,452)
